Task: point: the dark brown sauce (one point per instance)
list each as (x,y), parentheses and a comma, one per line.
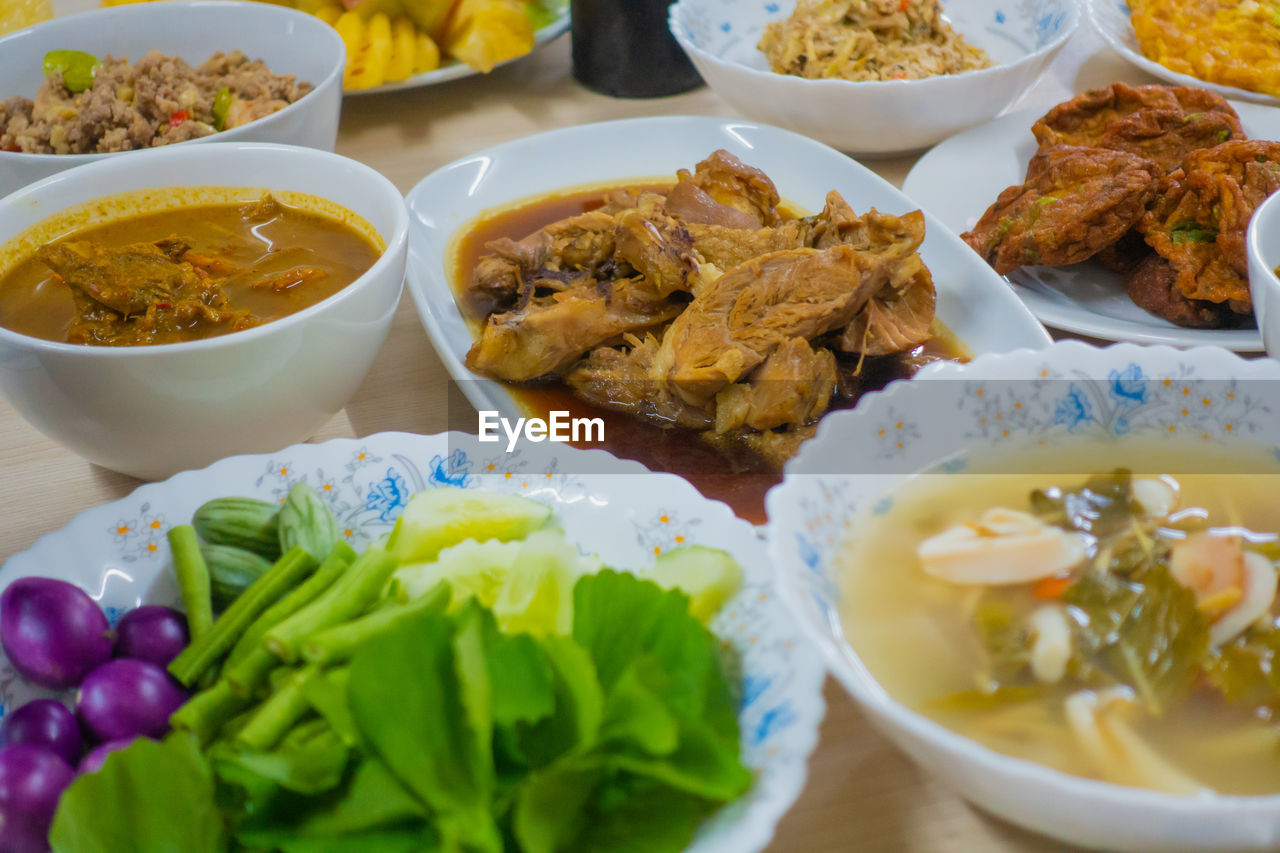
(740,479)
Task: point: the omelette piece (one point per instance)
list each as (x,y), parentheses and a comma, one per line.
(1229,42)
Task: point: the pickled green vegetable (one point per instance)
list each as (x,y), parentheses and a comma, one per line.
(221,105)
(76,66)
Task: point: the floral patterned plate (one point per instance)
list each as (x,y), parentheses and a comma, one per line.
(950,414)
(118,552)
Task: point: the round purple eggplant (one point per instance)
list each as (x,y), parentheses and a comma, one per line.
(126,698)
(52,631)
(151,633)
(47,723)
(92,762)
(32,778)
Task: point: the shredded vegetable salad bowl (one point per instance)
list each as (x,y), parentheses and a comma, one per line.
(405,641)
(1050,579)
(872,116)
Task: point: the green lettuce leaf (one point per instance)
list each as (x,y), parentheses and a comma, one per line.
(422,699)
(150,796)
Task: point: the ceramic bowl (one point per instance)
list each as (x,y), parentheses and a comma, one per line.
(290,42)
(119,553)
(973,302)
(1264,257)
(877,117)
(152,410)
(1123,394)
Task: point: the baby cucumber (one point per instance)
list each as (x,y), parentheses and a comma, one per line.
(245,523)
(231,571)
(307,522)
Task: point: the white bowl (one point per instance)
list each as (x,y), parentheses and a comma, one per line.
(118,552)
(152,410)
(1119,395)
(874,117)
(290,42)
(973,301)
(1264,257)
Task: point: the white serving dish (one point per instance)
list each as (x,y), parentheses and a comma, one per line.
(960,178)
(875,118)
(289,41)
(118,552)
(150,411)
(1070,390)
(1111,20)
(973,301)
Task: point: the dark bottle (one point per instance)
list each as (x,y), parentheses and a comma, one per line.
(623,48)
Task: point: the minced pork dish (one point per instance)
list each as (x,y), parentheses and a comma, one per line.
(88,106)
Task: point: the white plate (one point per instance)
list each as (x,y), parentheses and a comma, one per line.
(1111,19)
(972,300)
(454,70)
(960,178)
(119,554)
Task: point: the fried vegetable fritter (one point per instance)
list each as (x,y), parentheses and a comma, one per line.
(1161,123)
(1075,202)
(1152,284)
(1200,221)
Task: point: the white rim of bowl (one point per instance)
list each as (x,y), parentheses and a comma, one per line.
(1268,209)
(866,690)
(678,28)
(74,160)
(395,243)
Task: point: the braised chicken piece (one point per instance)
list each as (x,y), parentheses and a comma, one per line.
(707,308)
(138,293)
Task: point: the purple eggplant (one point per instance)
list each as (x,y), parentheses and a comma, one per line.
(52,631)
(92,762)
(32,778)
(125,698)
(151,633)
(47,723)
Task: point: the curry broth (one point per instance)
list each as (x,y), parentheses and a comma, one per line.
(740,479)
(303,232)
(915,636)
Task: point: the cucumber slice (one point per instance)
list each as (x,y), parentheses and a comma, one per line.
(709,576)
(438,518)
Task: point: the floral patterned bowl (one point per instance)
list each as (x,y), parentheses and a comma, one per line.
(118,552)
(950,414)
(874,117)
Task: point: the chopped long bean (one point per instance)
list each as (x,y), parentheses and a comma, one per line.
(338,643)
(285,707)
(348,597)
(193,579)
(206,712)
(342,556)
(203,653)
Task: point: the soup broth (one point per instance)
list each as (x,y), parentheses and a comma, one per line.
(925,640)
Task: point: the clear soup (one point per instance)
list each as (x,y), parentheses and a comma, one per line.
(1154,688)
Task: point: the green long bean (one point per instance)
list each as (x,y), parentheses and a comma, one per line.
(193,580)
(205,713)
(197,658)
(285,707)
(339,642)
(348,597)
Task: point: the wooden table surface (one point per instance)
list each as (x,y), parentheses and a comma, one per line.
(862,794)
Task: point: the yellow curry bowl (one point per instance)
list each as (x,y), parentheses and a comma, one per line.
(264,379)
